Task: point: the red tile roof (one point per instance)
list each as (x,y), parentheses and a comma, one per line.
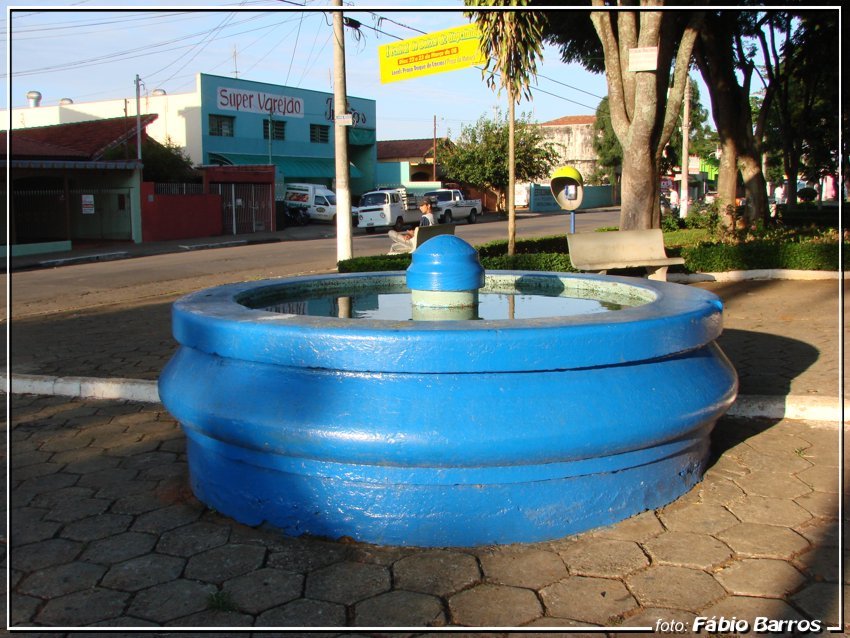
(77,140)
(571,120)
(23,147)
(392,149)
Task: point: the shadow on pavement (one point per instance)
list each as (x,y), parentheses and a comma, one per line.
(766,363)
(132,342)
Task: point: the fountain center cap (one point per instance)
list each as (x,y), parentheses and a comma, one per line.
(445,263)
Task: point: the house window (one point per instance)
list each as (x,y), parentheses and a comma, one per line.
(221,125)
(319,133)
(278,130)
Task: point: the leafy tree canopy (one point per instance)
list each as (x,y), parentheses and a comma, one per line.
(479,156)
(609,153)
(163,163)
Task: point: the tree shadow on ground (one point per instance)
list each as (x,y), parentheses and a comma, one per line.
(766,363)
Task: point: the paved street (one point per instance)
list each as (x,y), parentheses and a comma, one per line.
(293,251)
(106,532)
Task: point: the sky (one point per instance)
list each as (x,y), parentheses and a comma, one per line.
(76,50)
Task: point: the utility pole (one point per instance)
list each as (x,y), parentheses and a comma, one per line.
(435,149)
(686,129)
(344,248)
(138,118)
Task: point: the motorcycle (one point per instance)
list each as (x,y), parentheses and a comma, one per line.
(293,216)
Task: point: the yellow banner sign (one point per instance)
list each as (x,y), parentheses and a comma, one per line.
(436,52)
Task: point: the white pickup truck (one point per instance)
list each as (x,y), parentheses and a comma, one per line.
(452,206)
(390,207)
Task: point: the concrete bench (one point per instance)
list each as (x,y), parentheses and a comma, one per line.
(600,252)
(421,234)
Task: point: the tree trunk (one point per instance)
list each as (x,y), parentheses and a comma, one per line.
(727,178)
(639,189)
(511,175)
(730,105)
(714,59)
(642,114)
(756,189)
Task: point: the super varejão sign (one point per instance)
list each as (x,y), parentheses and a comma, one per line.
(436,52)
(230,99)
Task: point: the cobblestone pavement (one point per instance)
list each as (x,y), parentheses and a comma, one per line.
(782,336)
(104,532)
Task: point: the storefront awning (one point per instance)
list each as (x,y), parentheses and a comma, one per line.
(88,165)
(312,167)
(361,136)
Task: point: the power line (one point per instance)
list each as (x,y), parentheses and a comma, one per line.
(309,64)
(143,51)
(213,34)
(297,36)
(76,25)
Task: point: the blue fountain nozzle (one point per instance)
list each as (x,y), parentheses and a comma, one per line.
(445,263)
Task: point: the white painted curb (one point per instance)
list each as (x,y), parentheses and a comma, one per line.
(825,410)
(800,408)
(83,387)
(754,275)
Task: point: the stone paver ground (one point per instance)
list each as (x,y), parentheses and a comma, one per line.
(105,532)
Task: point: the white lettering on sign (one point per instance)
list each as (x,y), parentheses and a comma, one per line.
(229,99)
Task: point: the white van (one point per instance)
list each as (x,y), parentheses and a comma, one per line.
(390,207)
(315,199)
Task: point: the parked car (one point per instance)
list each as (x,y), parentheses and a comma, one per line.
(316,200)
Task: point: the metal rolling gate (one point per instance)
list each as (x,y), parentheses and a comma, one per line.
(245,208)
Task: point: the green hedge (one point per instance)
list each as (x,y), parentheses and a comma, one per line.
(553,262)
(375,263)
(758,255)
(803,214)
(550,254)
(551,244)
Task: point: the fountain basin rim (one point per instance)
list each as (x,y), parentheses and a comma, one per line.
(676,320)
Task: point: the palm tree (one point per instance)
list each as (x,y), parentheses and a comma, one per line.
(511,41)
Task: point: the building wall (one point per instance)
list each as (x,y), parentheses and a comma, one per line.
(184,119)
(178,118)
(252,104)
(56,204)
(574,143)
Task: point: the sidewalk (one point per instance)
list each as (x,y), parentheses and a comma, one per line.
(105,531)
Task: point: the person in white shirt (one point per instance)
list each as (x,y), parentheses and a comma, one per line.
(403,241)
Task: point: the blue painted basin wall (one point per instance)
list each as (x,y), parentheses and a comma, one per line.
(454,433)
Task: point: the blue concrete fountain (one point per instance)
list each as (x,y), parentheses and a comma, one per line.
(443,429)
